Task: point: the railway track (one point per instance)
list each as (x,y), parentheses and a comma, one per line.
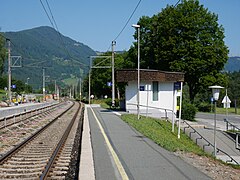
(21,117)
(47,153)
(14,133)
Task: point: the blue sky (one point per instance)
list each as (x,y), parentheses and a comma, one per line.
(97,22)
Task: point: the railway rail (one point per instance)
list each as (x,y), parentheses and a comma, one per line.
(47,153)
(15,118)
(15,132)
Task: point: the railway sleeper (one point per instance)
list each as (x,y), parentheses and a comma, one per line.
(20,170)
(44,159)
(57,173)
(20,176)
(25,166)
(58,177)
(61,168)
(32,155)
(25,162)
(61,164)
(64,160)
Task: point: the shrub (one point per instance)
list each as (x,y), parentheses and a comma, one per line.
(109,102)
(188,111)
(204,107)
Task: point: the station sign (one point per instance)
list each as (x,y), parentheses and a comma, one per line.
(142,88)
(177,85)
(109,84)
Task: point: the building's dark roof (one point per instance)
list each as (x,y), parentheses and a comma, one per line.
(126,75)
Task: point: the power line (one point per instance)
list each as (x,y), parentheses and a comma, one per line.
(47,14)
(177,3)
(54,25)
(130,17)
(52,15)
(128,20)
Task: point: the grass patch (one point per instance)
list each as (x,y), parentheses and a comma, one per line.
(3,95)
(160,131)
(230,110)
(101,102)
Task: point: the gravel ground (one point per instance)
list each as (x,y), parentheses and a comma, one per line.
(73,170)
(211,167)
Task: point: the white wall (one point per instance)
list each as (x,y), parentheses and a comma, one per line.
(165,98)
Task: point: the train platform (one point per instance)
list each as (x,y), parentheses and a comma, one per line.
(21,108)
(111,149)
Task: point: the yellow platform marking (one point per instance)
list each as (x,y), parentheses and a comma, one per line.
(114,154)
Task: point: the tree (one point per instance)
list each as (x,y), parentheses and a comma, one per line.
(2,54)
(234,86)
(185,38)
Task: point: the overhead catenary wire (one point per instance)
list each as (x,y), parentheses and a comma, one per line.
(125,25)
(131,18)
(47,14)
(54,25)
(177,3)
(128,20)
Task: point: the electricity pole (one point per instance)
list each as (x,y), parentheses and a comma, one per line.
(9,71)
(113,81)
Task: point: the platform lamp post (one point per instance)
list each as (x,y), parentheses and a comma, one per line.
(215,92)
(138,70)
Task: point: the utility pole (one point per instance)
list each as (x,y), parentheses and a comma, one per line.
(11,59)
(89,81)
(43,84)
(9,71)
(113,81)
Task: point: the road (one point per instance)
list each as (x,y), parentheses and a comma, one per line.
(207,119)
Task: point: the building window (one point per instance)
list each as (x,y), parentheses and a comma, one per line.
(155,90)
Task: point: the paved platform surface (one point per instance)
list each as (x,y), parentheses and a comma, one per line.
(120,152)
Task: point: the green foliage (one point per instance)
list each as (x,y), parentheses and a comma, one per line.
(185,38)
(109,102)
(2,54)
(234,85)
(160,132)
(188,111)
(3,82)
(204,107)
(3,95)
(101,76)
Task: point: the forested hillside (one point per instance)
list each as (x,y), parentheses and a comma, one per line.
(233,64)
(43,47)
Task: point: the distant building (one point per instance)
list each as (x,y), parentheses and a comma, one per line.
(158,91)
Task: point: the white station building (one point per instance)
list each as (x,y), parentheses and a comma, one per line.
(158,91)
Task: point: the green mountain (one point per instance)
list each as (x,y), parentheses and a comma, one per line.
(43,47)
(233,64)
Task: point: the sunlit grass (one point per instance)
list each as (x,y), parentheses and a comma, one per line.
(160,131)
(229,110)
